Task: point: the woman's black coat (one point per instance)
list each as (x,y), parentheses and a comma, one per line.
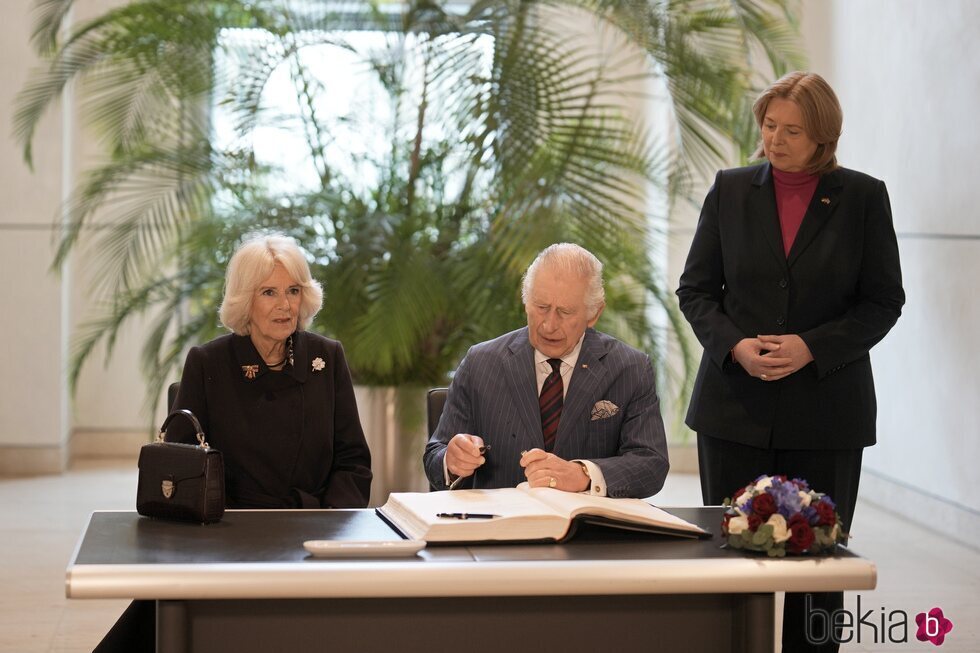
(840,290)
(290,439)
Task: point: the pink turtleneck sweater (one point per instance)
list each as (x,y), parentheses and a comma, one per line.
(794,190)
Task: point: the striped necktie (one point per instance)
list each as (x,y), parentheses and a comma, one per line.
(550,401)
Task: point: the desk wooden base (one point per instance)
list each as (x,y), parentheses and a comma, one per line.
(716,623)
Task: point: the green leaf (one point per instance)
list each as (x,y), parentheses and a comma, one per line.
(763,536)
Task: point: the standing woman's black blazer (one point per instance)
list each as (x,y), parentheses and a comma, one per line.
(290,439)
(840,290)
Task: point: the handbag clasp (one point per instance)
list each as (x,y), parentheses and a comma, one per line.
(167,487)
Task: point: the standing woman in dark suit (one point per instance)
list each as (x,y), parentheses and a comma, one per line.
(793,276)
(276,400)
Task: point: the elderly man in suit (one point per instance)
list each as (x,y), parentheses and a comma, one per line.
(556,404)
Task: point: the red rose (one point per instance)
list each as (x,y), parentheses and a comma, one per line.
(764,506)
(800,534)
(755,521)
(826,514)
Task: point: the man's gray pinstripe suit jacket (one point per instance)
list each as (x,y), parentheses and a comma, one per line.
(494,395)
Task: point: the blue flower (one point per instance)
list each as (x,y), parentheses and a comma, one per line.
(787,498)
(810,514)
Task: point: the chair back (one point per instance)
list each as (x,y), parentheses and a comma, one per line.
(172,395)
(435,401)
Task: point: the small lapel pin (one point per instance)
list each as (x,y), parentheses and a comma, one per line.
(318,364)
(825,200)
(585,366)
(250,371)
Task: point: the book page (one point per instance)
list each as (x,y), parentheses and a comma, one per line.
(518,515)
(638,511)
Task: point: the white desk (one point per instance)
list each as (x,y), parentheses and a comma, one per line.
(246,584)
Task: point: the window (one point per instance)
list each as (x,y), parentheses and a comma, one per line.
(334,104)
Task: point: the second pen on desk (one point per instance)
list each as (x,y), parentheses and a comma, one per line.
(465,515)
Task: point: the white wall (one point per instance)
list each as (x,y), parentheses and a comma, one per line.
(40,423)
(107,416)
(32,433)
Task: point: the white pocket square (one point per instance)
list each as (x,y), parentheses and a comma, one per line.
(604,409)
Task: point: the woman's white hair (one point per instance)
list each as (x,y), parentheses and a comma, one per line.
(569,258)
(251,264)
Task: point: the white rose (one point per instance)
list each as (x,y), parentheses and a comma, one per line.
(804,498)
(743,498)
(763,484)
(780,533)
(737,524)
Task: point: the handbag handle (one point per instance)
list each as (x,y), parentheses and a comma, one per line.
(162,435)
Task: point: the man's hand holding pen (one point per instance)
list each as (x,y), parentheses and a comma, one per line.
(465,454)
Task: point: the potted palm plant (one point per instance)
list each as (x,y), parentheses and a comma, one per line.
(474,135)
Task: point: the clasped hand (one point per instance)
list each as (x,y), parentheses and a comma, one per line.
(544,469)
(771,358)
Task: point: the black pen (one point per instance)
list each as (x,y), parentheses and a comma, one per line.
(465,515)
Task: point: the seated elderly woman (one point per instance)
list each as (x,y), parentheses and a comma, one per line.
(276,400)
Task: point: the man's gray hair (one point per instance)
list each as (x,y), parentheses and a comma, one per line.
(572,259)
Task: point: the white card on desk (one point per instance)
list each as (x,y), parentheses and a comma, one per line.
(363,548)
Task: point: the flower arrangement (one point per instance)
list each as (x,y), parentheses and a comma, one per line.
(779,516)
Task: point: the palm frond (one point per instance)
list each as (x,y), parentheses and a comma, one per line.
(504,132)
(49,18)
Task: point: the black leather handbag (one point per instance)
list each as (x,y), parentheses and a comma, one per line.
(182,482)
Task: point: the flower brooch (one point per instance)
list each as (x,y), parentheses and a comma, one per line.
(318,364)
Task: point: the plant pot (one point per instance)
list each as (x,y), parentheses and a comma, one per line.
(393,419)
(683,457)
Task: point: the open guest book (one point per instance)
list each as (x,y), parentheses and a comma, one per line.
(521,514)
